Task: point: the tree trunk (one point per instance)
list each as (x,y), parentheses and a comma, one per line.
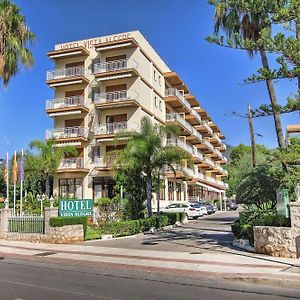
(48,187)
(273,100)
(253,147)
(298,38)
(149,194)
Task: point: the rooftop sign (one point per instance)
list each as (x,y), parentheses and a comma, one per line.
(90,43)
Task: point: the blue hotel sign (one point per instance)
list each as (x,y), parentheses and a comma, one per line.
(75,208)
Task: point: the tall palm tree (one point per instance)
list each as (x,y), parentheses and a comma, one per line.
(145,151)
(244,26)
(15,35)
(47,159)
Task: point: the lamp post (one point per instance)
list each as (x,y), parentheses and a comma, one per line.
(41,198)
(51,201)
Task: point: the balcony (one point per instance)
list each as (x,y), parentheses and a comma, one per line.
(61,77)
(179,120)
(116,45)
(216,155)
(73,164)
(76,52)
(193,117)
(68,134)
(66,106)
(197,156)
(223,161)
(192,100)
(180,144)
(123,68)
(176,99)
(103,163)
(116,100)
(206,146)
(215,140)
(179,172)
(223,147)
(108,131)
(207,164)
(204,129)
(203,113)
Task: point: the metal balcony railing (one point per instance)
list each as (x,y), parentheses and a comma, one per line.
(72,101)
(67,72)
(171,117)
(206,125)
(174,92)
(103,162)
(115,65)
(115,127)
(72,163)
(67,132)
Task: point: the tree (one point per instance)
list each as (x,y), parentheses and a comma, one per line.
(15,35)
(242,28)
(146,153)
(259,186)
(45,163)
(240,164)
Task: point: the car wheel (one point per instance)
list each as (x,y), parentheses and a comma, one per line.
(195,218)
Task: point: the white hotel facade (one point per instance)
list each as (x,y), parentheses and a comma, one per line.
(106,85)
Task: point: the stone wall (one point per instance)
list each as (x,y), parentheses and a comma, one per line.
(59,235)
(276,241)
(280,241)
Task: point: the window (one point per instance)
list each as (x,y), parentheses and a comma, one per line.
(160,105)
(159,80)
(155,101)
(155,75)
(95,153)
(70,188)
(170,191)
(178,191)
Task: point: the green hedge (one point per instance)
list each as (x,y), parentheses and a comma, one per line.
(63,221)
(243,227)
(126,228)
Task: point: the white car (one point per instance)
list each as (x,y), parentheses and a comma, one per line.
(192,210)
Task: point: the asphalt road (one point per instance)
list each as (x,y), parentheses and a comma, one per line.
(30,280)
(208,233)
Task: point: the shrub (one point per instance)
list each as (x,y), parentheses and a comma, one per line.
(63,221)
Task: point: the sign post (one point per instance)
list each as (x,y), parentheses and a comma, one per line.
(75,208)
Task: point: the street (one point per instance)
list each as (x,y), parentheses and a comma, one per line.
(34,281)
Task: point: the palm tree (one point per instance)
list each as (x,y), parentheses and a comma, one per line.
(145,151)
(15,35)
(246,26)
(47,159)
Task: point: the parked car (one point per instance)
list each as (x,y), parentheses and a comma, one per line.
(207,208)
(231,205)
(192,210)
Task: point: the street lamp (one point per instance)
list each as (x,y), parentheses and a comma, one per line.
(41,198)
(51,201)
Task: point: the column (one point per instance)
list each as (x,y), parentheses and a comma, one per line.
(49,212)
(5,214)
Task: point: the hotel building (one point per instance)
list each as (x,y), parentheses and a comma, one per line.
(105,85)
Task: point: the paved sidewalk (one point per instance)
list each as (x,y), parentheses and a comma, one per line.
(230,266)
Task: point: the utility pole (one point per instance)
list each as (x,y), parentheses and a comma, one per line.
(253,147)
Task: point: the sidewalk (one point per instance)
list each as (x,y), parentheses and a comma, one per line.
(238,265)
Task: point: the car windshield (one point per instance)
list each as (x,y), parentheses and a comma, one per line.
(195,205)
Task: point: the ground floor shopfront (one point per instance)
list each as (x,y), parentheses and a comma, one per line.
(96,187)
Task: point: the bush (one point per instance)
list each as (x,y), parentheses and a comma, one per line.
(243,227)
(126,228)
(63,221)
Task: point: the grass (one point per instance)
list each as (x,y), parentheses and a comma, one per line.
(92,234)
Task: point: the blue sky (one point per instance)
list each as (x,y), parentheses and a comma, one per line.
(175,28)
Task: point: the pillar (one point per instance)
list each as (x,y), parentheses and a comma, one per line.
(49,212)
(5,214)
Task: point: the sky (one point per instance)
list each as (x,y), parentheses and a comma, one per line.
(175,28)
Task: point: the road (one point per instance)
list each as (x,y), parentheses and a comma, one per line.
(36,280)
(208,233)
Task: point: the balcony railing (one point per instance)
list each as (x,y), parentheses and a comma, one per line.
(208,144)
(196,115)
(180,144)
(176,117)
(67,72)
(174,92)
(111,97)
(72,163)
(210,179)
(115,127)
(217,139)
(197,153)
(197,134)
(209,161)
(72,101)
(115,65)
(218,153)
(206,125)
(102,162)
(67,132)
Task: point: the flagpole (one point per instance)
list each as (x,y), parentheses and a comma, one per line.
(21,178)
(14,210)
(7,180)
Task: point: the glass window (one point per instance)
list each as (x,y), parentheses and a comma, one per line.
(160,104)
(155,101)
(71,188)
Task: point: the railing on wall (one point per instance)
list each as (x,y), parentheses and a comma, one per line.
(26,224)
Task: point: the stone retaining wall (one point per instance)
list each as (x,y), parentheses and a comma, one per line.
(59,235)
(277,241)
